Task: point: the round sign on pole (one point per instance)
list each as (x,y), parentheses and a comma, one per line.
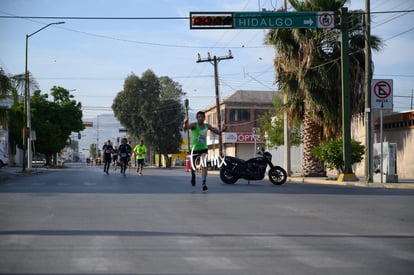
(381,94)
(325,19)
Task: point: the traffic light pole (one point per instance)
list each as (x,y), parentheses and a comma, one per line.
(249,20)
(214,61)
(188,131)
(346,100)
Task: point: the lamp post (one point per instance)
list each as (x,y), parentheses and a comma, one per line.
(26,131)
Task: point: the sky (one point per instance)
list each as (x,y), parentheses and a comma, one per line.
(92,57)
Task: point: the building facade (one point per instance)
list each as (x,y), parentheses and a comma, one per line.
(239,113)
(398,129)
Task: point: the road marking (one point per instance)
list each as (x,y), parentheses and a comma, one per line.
(92,263)
(87,183)
(38,183)
(209,262)
(62,184)
(322,261)
(9,184)
(308,254)
(205,261)
(99,257)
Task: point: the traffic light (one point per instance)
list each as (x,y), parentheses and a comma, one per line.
(211,20)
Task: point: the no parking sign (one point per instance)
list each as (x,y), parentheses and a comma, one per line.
(381,94)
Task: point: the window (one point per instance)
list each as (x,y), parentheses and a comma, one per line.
(239,115)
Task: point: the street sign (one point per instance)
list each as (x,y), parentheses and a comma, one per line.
(211,20)
(87,124)
(262,20)
(381,94)
(283,20)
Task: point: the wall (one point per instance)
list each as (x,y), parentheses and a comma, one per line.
(296,156)
(403,136)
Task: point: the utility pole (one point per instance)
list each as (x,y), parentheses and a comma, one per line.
(286,130)
(97,136)
(26,132)
(368,111)
(346,99)
(214,61)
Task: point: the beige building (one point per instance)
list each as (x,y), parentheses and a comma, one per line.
(239,113)
(398,129)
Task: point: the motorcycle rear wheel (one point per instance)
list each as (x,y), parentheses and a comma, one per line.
(227,177)
(277,175)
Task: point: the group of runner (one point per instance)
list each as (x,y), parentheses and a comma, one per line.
(122,154)
(199,148)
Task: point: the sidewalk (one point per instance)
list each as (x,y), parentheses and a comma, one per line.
(401,184)
(8,172)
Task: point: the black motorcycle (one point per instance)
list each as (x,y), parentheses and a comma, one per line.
(252,169)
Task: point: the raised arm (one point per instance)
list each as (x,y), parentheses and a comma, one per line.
(186,125)
(215,130)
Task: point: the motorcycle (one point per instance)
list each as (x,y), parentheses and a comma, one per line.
(252,169)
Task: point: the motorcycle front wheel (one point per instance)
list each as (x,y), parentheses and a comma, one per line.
(277,175)
(227,177)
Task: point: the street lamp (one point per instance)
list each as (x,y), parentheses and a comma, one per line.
(26,131)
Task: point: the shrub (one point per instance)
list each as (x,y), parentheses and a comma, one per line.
(331,153)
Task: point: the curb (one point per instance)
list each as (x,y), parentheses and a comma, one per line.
(10,174)
(310,180)
(351,183)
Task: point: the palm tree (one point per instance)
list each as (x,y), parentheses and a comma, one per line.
(308,71)
(12,86)
(5,88)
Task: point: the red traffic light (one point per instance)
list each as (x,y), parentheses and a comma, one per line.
(211,20)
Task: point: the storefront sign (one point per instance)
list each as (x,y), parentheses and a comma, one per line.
(240,137)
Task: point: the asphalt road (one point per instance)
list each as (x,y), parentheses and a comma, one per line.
(80,221)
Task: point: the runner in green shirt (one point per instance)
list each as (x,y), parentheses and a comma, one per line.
(199,146)
(140,150)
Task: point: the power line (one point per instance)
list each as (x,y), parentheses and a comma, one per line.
(157,17)
(93,17)
(398,34)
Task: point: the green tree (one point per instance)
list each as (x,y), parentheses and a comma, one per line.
(167,122)
(135,105)
(272,124)
(92,151)
(331,153)
(308,67)
(16,122)
(150,108)
(54,121)
(170,89)
(10,87)
(5,84)
(5,91)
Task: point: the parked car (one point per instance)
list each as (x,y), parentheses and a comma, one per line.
(4,159)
